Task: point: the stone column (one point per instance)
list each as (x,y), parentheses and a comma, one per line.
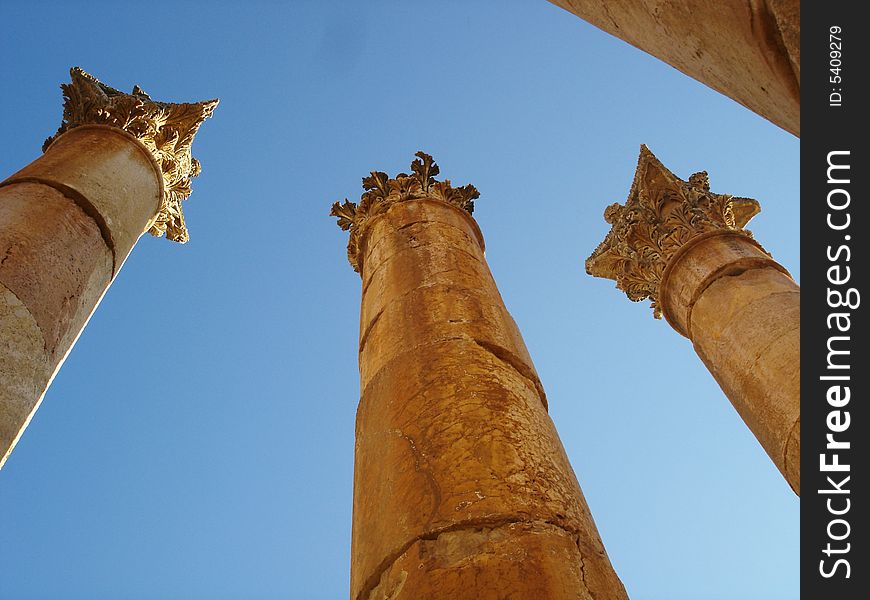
(685,248)
(461,486)
(747,50)
(119,165)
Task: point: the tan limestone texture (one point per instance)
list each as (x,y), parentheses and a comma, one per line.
(119,165)
(67,222)
(54,259)
(461,486)
(100,167)
(747,50)
(23,366)
(518,560)
(685,247)
(742,312)
(165,132)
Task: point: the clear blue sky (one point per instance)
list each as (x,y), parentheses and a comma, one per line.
(198,442)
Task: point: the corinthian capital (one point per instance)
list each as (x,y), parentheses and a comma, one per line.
(662,213)
(165,129)
(381,192)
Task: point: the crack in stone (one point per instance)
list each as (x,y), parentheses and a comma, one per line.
(449,287)
(8,253)
(473,524)
(42,334)
(610,16)
(768,36)
(502,355)
(365,336)
(419,459)
(513,361)
(385,262)
(397,587)
(414,348)
(785,455)
(583,574)
(424,223)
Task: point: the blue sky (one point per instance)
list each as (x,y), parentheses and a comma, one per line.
(198,441)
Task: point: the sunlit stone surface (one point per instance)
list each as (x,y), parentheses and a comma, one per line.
(749,51)
(119,165)
(684,247)
(461,486)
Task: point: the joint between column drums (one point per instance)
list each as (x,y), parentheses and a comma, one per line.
(363,249)
(29,364)
(474,524)
(514,362)
(5,288)
(365,336)
(734,269)
(731,269)
(83,203)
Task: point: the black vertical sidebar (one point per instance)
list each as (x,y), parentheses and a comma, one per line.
(835,367)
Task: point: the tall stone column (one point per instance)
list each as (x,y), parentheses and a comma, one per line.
(685,248)
(748,50)
(119,165)
(461,486)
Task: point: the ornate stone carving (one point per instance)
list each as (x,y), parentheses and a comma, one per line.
(661,214)
(166,129)
(381,192)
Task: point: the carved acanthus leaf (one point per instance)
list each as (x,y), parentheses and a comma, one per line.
(381,192)
(165,129)
(661,214)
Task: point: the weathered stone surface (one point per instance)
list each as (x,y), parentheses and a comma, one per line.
(662,216)
(684,247)
(746,329)
(792,460)
(53,258)
(787,14)
(165,131)
(702,261)
(112,177)
(749,51)
(517,560)
(382,191)
(24,368)
(461,486)
(433,272)
(119,165)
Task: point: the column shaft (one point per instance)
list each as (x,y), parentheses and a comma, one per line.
(748,51)
(65,221)
(686,249)
(742,312)
(461,488)
(69,219)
